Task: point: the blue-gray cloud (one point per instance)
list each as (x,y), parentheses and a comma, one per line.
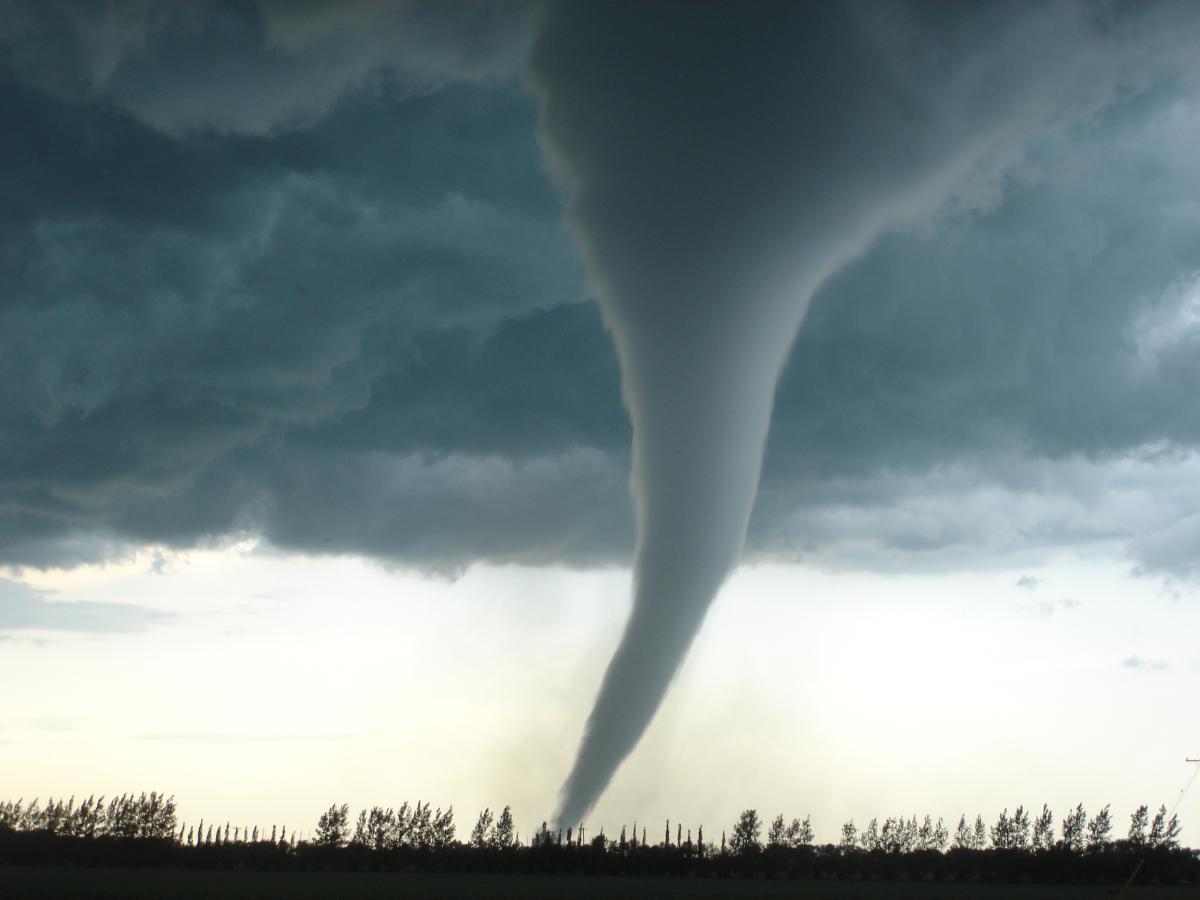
(23,608)
(346,317)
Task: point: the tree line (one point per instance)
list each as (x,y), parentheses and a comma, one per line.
(144,830)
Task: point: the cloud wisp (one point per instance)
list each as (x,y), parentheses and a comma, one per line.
(23,608)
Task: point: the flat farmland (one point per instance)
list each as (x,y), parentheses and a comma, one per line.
(18,883)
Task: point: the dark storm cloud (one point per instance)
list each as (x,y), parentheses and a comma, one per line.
(182,312)
(256,67)
(1022,346)
(24,609)
(316,288)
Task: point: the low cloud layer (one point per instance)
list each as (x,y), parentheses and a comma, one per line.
(348,319)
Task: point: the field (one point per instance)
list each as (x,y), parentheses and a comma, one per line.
(18,883)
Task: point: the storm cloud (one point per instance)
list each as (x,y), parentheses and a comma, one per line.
(349,320)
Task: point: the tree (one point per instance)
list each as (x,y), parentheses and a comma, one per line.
(891,835)
(376,830)
(849,836)
(400,827)
(1099,830)
(1171,835)
(503,835)
(964,839)
(941,836)
(777,834)
(360,830)
(442,830)
(1020,829)
(800,834)
(745,833)
(1002,831)
(420,826)
(1043,829)
(910,834)
(333,827)
(481,833)
(1164,832)
(979,838)
(870,835)
(1137,826)
(930,836)
(1072,829)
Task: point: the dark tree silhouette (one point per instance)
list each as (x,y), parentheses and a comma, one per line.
(1073,828)
(481,834)
(1138,820)
(333,828)
(964,838)
(1164,832)
(1043,830)
(800,834)
(503,835)
(849,836)
(1020,829)
(776,834)
(1002,831)
(1099,831)
(131,831)
(870,836)
(745,833)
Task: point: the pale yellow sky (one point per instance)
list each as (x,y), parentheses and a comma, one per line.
(281,684)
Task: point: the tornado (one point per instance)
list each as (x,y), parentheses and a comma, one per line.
(718,164)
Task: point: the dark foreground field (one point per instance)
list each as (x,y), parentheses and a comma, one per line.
(17,883)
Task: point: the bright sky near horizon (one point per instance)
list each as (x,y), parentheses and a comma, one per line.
(274,685)
(349,350)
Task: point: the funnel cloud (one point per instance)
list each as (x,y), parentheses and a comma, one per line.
(719,166)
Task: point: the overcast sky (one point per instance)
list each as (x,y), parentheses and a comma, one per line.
(312,439)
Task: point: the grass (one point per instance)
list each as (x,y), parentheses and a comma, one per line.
(18,883)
